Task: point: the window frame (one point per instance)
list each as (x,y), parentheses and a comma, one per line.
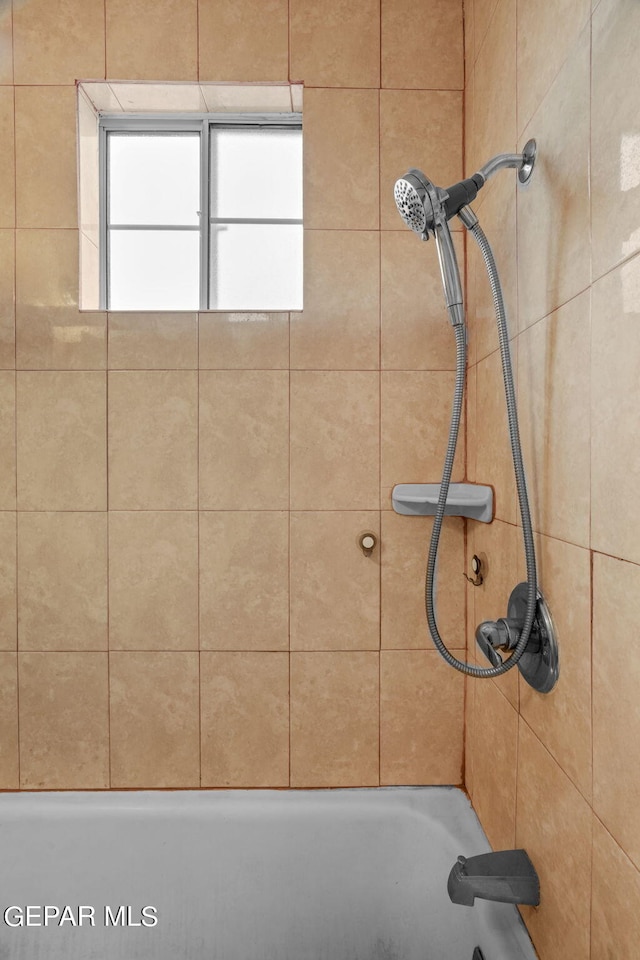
(200,123)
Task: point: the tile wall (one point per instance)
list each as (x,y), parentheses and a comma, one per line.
(183,601)
(559,774)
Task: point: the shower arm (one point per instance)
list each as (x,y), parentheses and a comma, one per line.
(523,162)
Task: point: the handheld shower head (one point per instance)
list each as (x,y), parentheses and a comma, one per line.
(414,204)
(423,207)
(426,209)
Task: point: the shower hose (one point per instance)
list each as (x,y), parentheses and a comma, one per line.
(514,436)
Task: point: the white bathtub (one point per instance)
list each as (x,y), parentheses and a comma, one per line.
(245,875)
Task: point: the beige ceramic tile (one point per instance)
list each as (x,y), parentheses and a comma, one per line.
(7,440)
(74,48)
(562,718)
(471,159)
(9,770)
(153,440)
(494,749)
(334,719)
(336,44)
(153,581)
(482,11)
(62,455)
(615,377)
(244,588)
(244,340)
(468,26)
(146,341)
(7,158)
(615,134)
(6,43)
(89,265)
(472,418)
(246,40)
(546,35)
(274,97)
(244,433)
(340,325)
(8,631)
(7,301)
(495,81)
(553,824)
(498,545)
(152,39)
(555,423)
(405,61)
(102,95)
(46,177)
(403,144)
(494,465)
(615,920)
(50,331)
(470,734)
(88,188)
(62,581)
(155,727)
(335,588)
(64,721)
(497,214)
(334,440)
(142,96)
(416,332)
(421,719)
(616,719)
(553,209)
(245,719)
(340,192)
(405,546)
(416,411)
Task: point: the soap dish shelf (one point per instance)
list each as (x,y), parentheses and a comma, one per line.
(472,500)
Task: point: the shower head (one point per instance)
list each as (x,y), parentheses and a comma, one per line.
(414,204)
(423,206)
(426,209)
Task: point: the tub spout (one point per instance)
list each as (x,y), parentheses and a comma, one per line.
(506,875)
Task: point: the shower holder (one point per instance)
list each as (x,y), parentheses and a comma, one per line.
(472,500)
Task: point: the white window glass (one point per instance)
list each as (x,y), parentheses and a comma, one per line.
(154,178)
(256,266)
(154,270)
(256,174)
(164,250)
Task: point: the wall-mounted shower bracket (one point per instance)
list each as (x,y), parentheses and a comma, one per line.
(472,500)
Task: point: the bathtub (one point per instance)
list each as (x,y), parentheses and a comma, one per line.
(244,875)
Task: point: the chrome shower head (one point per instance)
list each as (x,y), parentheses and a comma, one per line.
(411,194)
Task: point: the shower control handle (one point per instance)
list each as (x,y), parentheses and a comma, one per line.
(485,637)
(493,634)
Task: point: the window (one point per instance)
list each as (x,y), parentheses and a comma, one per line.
(201,212)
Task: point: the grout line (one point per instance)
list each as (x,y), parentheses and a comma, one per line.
(567,775)
(198,56)
(380,83)
(104,21)
(289,46)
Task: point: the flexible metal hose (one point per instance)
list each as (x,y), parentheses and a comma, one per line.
(523,500)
